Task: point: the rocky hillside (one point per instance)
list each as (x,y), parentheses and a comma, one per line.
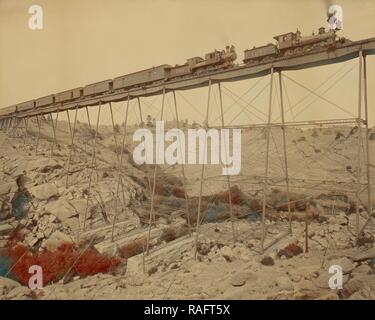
(97,261)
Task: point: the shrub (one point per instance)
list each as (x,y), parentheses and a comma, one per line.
(56,264)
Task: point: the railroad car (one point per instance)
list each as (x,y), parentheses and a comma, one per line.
(142,78)
(69,95)
(26,106)
(261,54)
(98,88)
(180,71)
(8,110)
(45,101)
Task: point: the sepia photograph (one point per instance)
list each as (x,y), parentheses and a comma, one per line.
(187,151)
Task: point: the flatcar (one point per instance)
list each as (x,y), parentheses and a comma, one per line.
(69,95)
(8,110)
(143,77)
(26,106)
(45,101)
(98,88)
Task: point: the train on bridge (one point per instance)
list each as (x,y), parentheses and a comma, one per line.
(288,45)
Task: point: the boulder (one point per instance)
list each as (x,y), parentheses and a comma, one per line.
(345,263)
(6,188)
(362,269)
(284,284)
(360,282)
(45,191)
(79,206)
(227,253)
(339,219)
(56,240)
(354,285)
(366,255)
(362,295)
(240,278)
(5,228)
(306,290)
(6,285)
(267,261)
(329,296)
(19,293)
(61,209)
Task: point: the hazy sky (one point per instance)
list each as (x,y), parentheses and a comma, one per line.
(85,41)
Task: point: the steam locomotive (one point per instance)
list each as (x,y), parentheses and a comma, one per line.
(289,44)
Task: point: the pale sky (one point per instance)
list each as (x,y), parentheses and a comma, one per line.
(85,41)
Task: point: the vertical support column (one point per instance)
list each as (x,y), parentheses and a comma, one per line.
(227,177)
(69,124)
(265,179)
(114,131)
(202,177)
(140,110)
(15,127)
(182,167)
(25,137)
(17,123)
(92,166)
(359,123)
(37,139)
(11,120)
(120,168)
(88,117)
(368,158)
(285,151)
(54,127)
(152,217)
(89,123)
(71,145)
(9,125)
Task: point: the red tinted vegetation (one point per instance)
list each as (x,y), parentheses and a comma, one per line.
(57,263)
